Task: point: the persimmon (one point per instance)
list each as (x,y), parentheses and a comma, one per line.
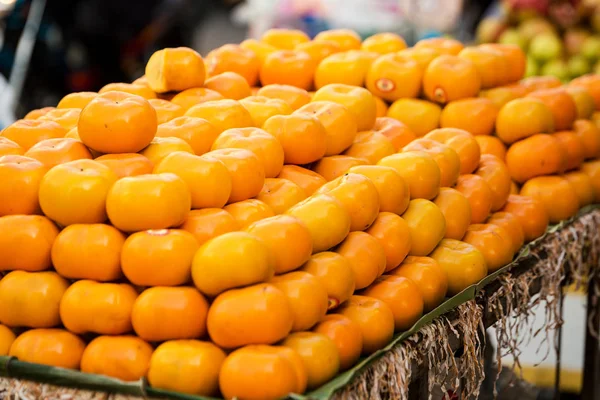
(375,319)
(292,95)
(521,118)
(445,157)
(556,194)
(493,241)
(229,84)
(65,117)
(573,147)
(208,223)
(392,76)
(419,170)
(583,100)
(27,132)
(246,212)
(142,91)
(537,155)
(366,255)
(397,132)
(52,152)
(156,201)
(491,145)
(462,142)
(38,112)
(429,278)
(393,233)
(531,214)
(39,309)
(222,114)
(7,337)
(345,38)
(26,242)
(475,115)
(478,193)
(165,110)
(457,212)
(448,78)
(533,83)
(515,56)
(123,357)
(441,44)
(491,64)
(234,58)
(346,335)
(335,273)
(422,55)
(394,192)
(592,83)
(21,177)
(562,105)
(280,194)
(52,347)
(126,164)
(10,148)
(511,224)
(160,147)
(357,100)
(191,97)
(306,179)
(384,43)
(590,136)
(371,147)
(97,246)
(318,50)
(503,94)
(463,263)
(495,173)
(426,224)
(197,132)
(262,108)
(420,116)
(104,308)
(76,100)
(288,67)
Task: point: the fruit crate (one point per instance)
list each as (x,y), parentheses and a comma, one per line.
(443,353)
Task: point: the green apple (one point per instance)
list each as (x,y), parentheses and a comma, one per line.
(590,48)
(578,65)
(545,47)
(531,68)
(512,36)
(557,68)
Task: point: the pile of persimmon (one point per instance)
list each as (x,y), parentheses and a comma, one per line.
(220,228)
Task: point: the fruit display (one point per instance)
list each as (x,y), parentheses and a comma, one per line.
(251,223)
(561,38)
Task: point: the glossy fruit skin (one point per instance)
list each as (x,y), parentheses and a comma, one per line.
(503,94)
(284,38)
(375,318)
(10,148)
(259,372)
(281,194)
(160,147)
(319,355)
(103,308)
(231,260)
(475,115)
(318,50)
(27,133)
(491,145)
(394,235)
(393,76)
(591,83)
(246,212)
(288,239)
(534,83)
(7,337)
(39,309)
(21,177)
(422,55)
(197,132)
(123,357)
(335,273)
(479,194)
(448,78)
(366,255)
(561,104)
(445,157)
(292,95)
(165,110)
(262,312)
(592,169)
(531,214)
(371,146)
(583,186)
(148,201)
(229,84)
(76,192)
(26,242)
(208,223)
(536,155)
(320,211)
(167,313)
(462,142)
(417,168)
(426,224)
(288,67)
(394,192)
(222,114)
(583,100)
(573,149)
(190,97)
(261,108)
(76,100)
(521,118)
(491,64)
(457,212)
(97,246)
(494,242)
(52,152)
(232,57)
(428,276)
(126,164)
(346,335)
(333,167)
(590,136)
(357,100)
(397,132)
(441,44)
(463,263)
(116,122)
(495,173)
(186,366)
(306,179)
(345,38)
(53,347)
(511,224)
(515,56)
(420,116)
(36,113)
(557,195)
(131,89)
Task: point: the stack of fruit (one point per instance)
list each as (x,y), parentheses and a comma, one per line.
(219,237)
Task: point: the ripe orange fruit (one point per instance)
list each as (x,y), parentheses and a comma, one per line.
(302,137)
(419,170)
(262,372)
(441,44)
(65,117)
(375,319)
(319,356)
(208,223)
(286,39)
(264,145)
(420,116)
(371,146)
(222,114)
(35,114)
(381,107)
(20,177)
(573,149)
(494,242)
(191,97)
(491,64)
(165,110)
(318,50)
(537,155)
(52,152)
(234,58)
(7,337)
(393,190)
(197,132)
(53,347)
(186,366)
(531,214)
(497,176)
(592,169)
(583,100)
(157,201)
(160,147)
(246,212)
(444,156)
(357,100)
(175,69)
(393,234)
(262,312)
(421,55)
(76,100)
(76,192)
(306,179)
(397,132)
(475,115)
(158,257)
(336,275)
(247,173)
(515,56)
(260,49)
(583,186)
(426,224)
(491,145)
(166,313)
(333,167)
(262,108)
(503,94)
(123,357)
(463,263)
(130,88)
(26,133)
(208,180)
(479,194)
(346,39)
(339,123)
(97,246)
(462,142)
(457,212)
(229,84)
(534,83)
(288,67)
(366,255)
(292,95)
(39,309)
(104,308)
(592,83)
(126,164)
(556,194)
(117,122)
(347,67)
(511,224)
(9,147)
(346,335)
(448,78)
(521,118)
(25,242)
(280,194)
(384,43)
(429,278)
(590,136)
(561,104)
